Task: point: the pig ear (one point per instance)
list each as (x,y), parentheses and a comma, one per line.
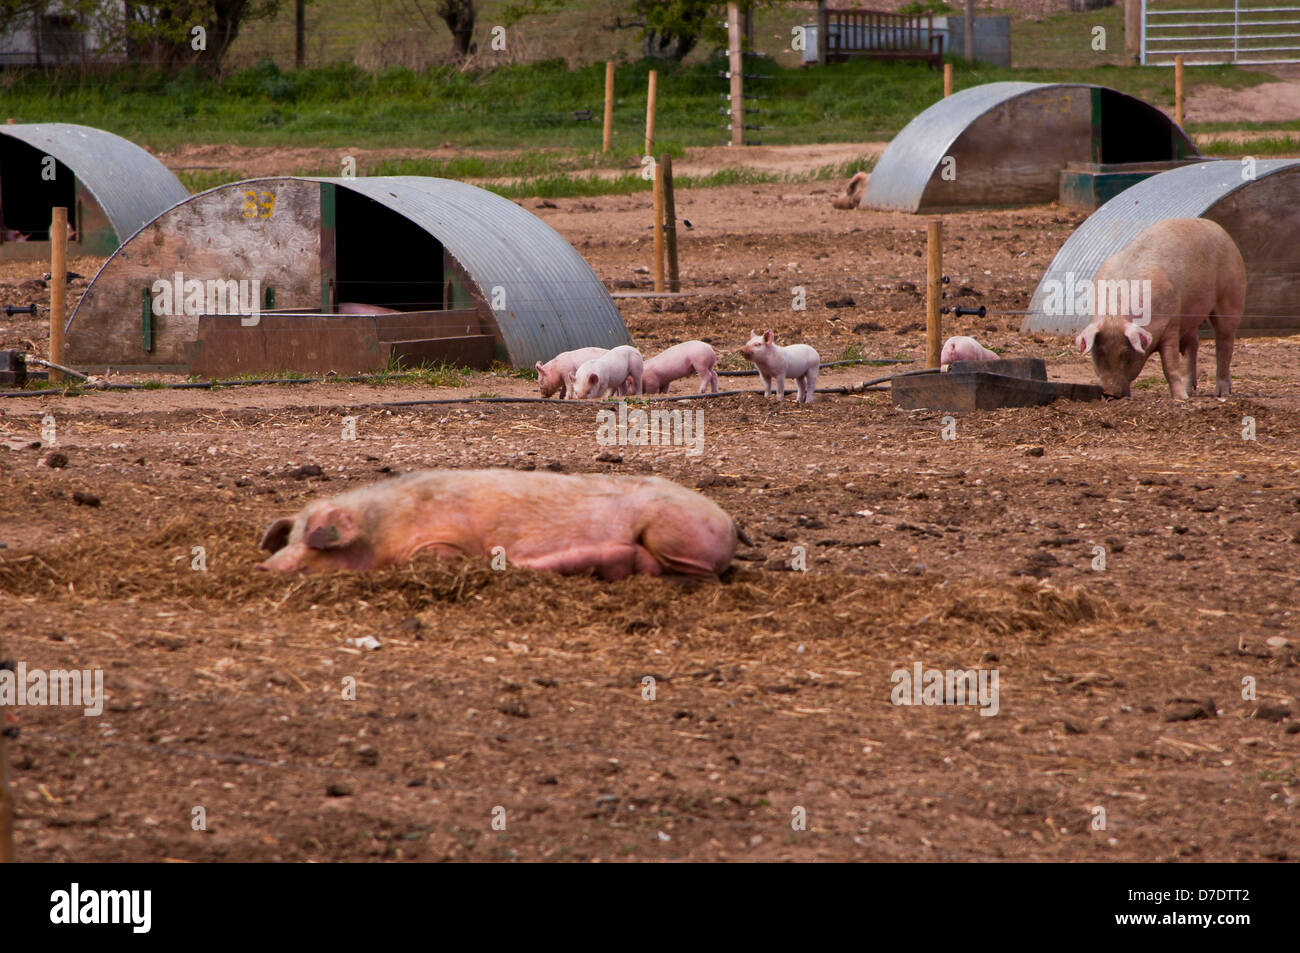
(767,337)
(333,528)
(593,379)
(539,367)
(276,536)
(1086,337)
(1140,338)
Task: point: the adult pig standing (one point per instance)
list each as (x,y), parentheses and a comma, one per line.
(1195,272)
(618,372)
(681,360)
(776,363)
(611,524)
(558,372)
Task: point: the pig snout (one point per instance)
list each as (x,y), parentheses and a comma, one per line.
(290,559)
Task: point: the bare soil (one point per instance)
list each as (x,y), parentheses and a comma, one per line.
(521,694)
(259,161)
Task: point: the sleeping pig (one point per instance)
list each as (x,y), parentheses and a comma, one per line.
(612,525)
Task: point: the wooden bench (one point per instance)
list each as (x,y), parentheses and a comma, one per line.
(879,35)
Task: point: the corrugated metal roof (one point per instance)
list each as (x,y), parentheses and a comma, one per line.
(1186,192)
(130,185)
(554,300)
(911,159)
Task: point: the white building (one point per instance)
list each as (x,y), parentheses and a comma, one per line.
(54,36)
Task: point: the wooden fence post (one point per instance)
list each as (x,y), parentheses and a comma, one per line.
(58,287)
(1178,89)
(609,105)
(650,112)
(933,291)
(736,66)
(670,222)
(659,226)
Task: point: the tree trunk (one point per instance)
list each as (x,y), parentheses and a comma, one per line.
(459,15)
(667,47)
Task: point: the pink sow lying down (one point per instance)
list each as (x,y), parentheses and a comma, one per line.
(610,524)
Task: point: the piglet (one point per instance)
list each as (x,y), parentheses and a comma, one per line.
(557,374)
(681,360)
(1173,276)
(353,307)
(965,349)
(618,372)
(776,363)
(610,524)
(852,196)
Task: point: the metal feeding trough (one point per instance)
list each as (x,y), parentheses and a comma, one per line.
(987,385)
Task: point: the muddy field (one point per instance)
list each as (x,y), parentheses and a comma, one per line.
(520,695)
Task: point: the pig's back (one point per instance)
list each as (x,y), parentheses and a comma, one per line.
(532,499)
(1186,250)
(670,356)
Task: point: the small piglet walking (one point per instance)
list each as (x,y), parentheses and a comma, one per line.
(776,363)
(681,360)
(1194,271)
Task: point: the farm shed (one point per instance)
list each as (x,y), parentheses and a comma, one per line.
(109,186)
(1010,142)
(457,274)
(1262,214)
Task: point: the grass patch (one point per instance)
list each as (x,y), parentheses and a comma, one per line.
(529,108)
(1268,146)
(433,375)
(519,373)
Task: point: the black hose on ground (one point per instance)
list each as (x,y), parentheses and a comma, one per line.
(362,378)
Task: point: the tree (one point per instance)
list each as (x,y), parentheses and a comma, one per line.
(672,28)
(164,31)
(460,17)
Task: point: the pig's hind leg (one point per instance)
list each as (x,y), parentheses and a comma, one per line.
(1189,346)
(1225,334)
(609,560)
(808,385)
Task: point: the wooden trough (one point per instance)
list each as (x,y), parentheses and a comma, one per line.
(344,343)
(987,385)
(1088,186)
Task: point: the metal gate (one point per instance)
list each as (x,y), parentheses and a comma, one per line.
(1210,32)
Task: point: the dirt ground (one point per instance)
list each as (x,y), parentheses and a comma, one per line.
(519,697)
